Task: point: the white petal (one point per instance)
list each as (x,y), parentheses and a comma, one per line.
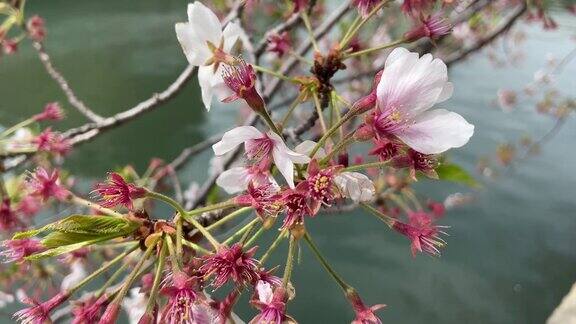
(235,137)
(436,131)
(234,180)
(264,290)
(195,48)
(284,165)
(205,79)
(446,92)
(232,33)
(205,22)
(306,148)
(396,53)
(410,84)
(355,186)
(280,145)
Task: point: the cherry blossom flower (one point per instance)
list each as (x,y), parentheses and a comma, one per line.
(416,161)
(116,191)
(279,44)
(424,235)
(29,205)
(365,6)
(186,302)
(17,250)
(507,99)
(231,264)
(300,5)
(241,79)
(321,186)
(236,179)
(416,7)
(89,310)
(272,305)
(47,185)
(259,146)
(9,46)
(364,314)
(8,218)
(110,314)
(39,312)
(52,142)
(52,111)
(433,27)
(409,87)
(264,199)
(385,148)
(268,277)
(36,29)
(224,307)
(206,45)
(355,186)
(295,202)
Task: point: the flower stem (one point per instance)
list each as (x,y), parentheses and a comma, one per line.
(274,73)
(191,220)
(289,261)
(111,280)
(272,247)
(196,247)
(218,206)
(176,262)
(358,167)
(356,28)
(83,202)
(325,263)
(103,269)
(157,280)
(319,112)
(383,217)
(255,236)
(348,139)
(306,20)
(241,231)
(228,218)
(134,274)
(331,131)
(266,116)
(291,109)
(374,49)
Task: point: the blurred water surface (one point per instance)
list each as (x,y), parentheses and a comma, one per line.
(511,254)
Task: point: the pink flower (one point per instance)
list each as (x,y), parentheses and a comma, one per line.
(46,185)
(365,6)
(231,264)
(17,250)
(52,111)
(507,99)
(272,305)
(416,161)
(264,199)
(364,314)
(8,219)
(279,43)
(224,307)
(9,46)
(385,148)
(268,277)
(39,313)
(409,87)
(185,302)
(241,79)
(52,142)
(424,235)
(433,27)
(89,310)
(36,29)
(295,202)
(260,146)
(116,191)
(321,186)
(436,208)
(29,206)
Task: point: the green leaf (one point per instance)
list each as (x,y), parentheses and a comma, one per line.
(66,248)
(455,173)
(56,239)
